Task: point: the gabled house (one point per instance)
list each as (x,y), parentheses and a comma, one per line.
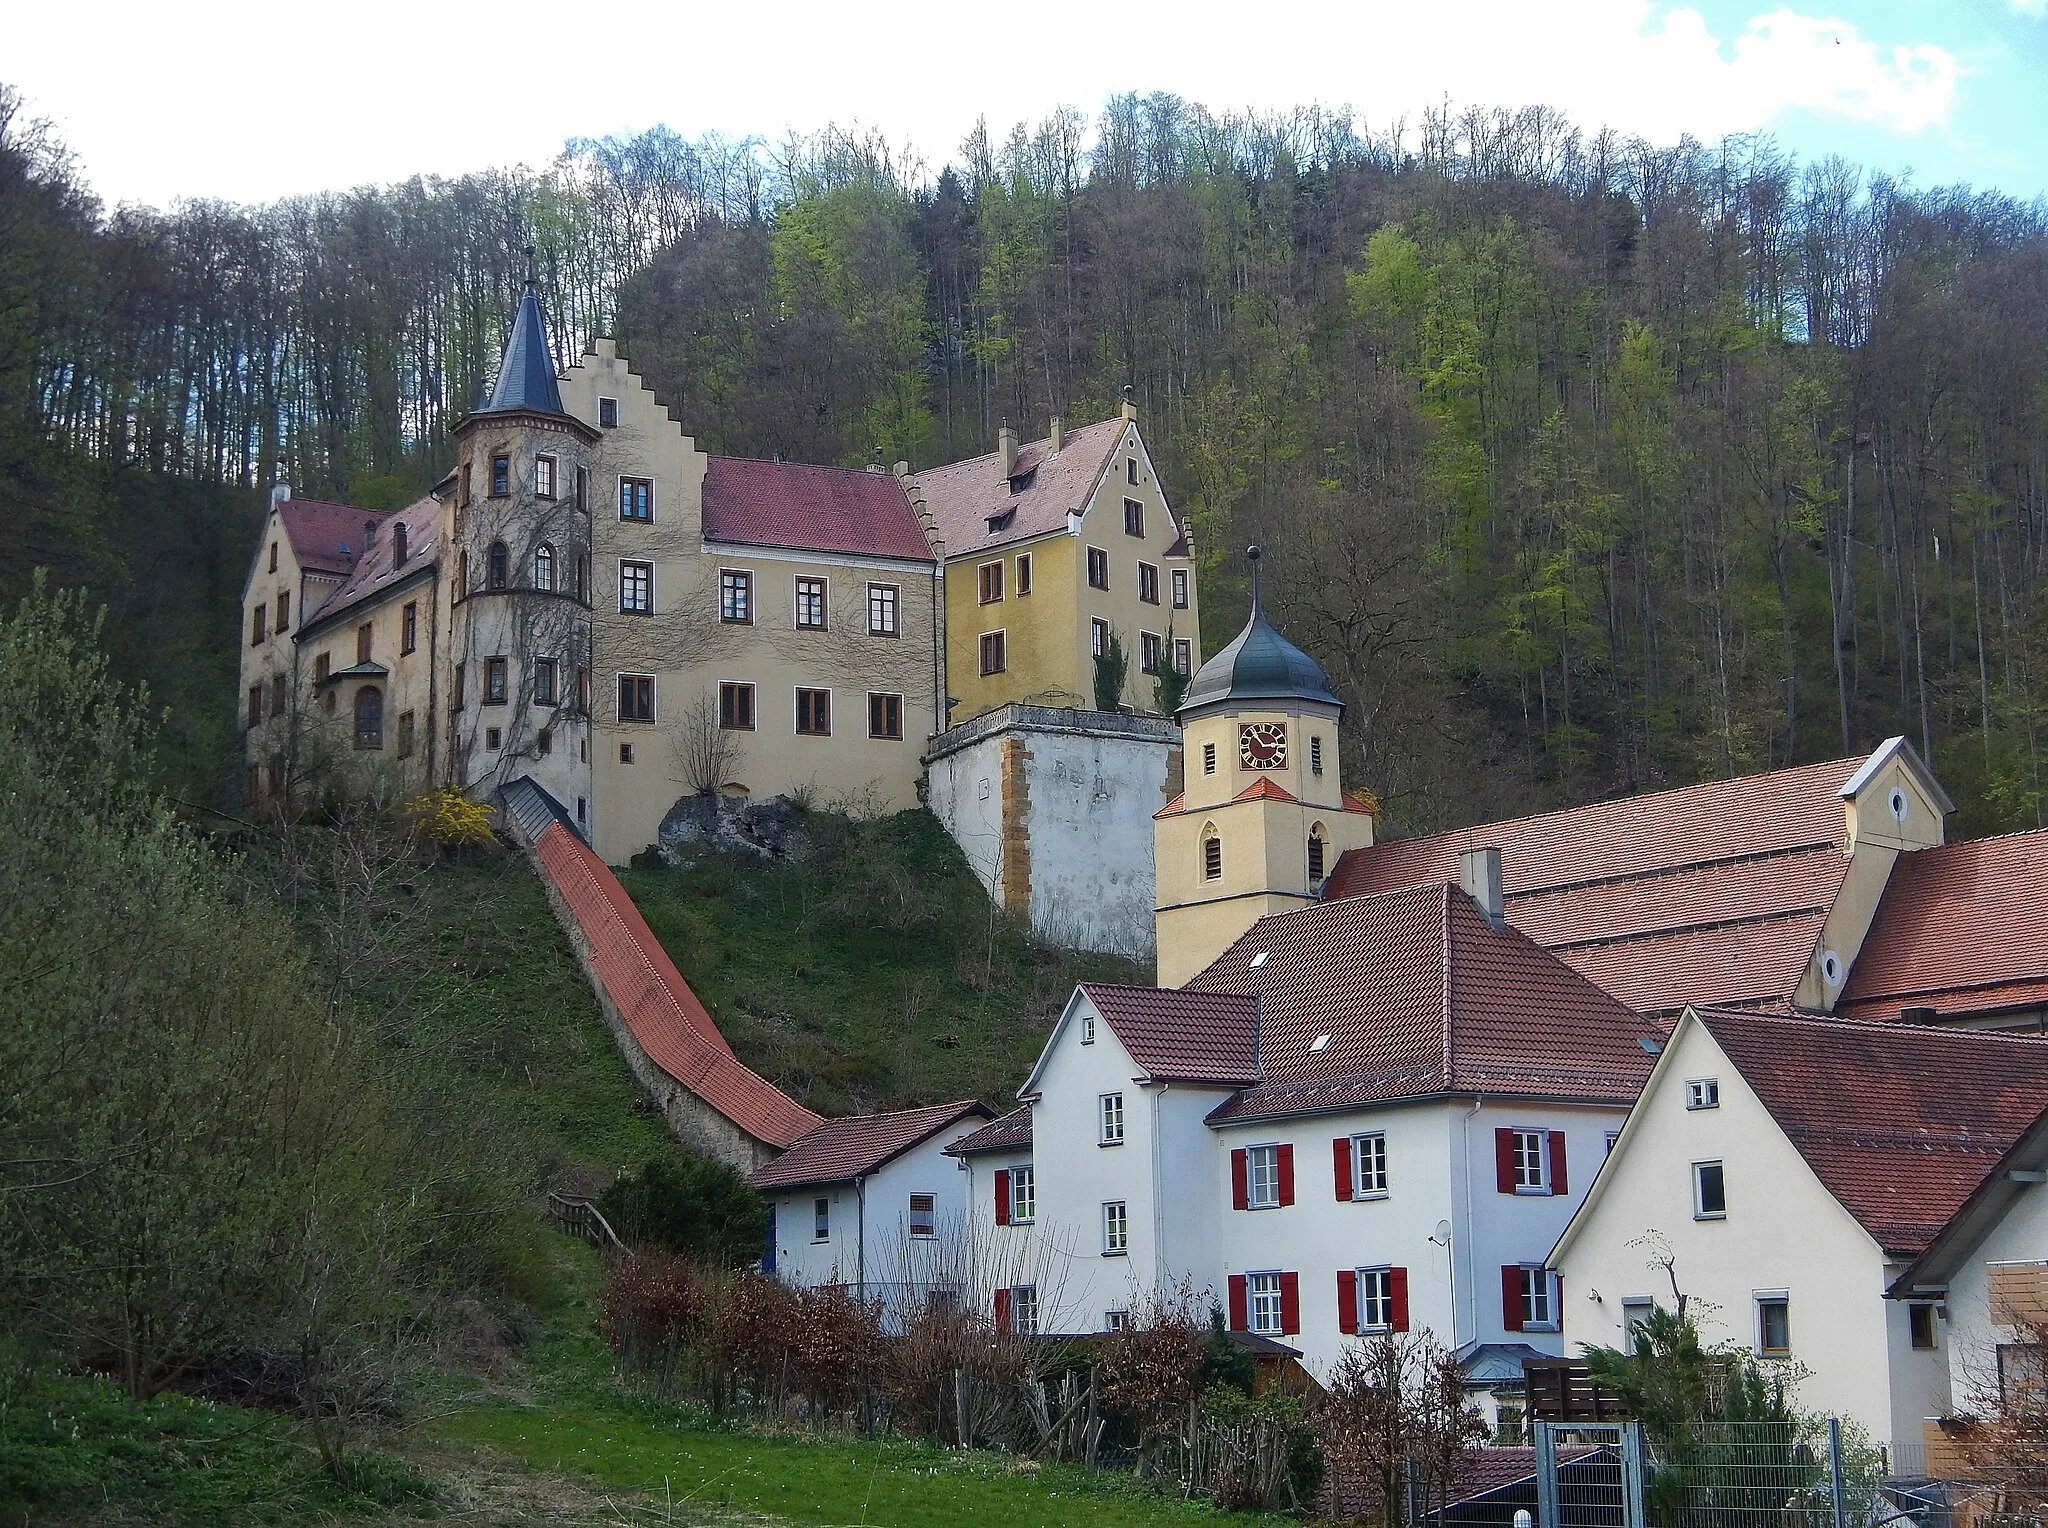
(1782,1171)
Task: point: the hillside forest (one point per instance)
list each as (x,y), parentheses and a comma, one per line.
(1584,465)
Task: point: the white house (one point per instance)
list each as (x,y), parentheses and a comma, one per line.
(1782,1171)
(871,1204)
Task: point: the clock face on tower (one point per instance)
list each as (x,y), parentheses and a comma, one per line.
(1262,745)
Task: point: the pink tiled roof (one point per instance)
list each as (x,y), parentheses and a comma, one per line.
(1008,1132)
(1418,994)
(1046,488)
(840,1149)
(1900,1123)
(810,509)
(1714,893)
(1182,1035)
(374,570)
(326,538)
(1962,929)
(657,1005)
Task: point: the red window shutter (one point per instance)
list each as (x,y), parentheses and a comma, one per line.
(1002,1310)
(1340,1151)
(1240,1195)
(1397,1297)
(1290,1304)
(1003,1198)
(1511,1297)
(1504,1160)
(1240,1317)
(1286,1164)
(1554,1148)
(1347,1301)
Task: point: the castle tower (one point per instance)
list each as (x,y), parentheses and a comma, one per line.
(520,574)
(1263,816)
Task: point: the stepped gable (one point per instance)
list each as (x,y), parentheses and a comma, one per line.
(656,1005)
(375,571)
(1007,1132)
(1712,893)
(977,508)
(1962,929)
(839,1150)
(1179,1035)
(1419,995)
(810,509)
(1900,1123)
(325,537)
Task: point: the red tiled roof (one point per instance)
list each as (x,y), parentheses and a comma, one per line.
(1899,1123)
(1183,1036)
(1418,995)
(1045,489)
(810,509)
(1008,1132)
(840,1149)
(374,570)
(1962,929)
(657,1005)
(1171,809)
(326,538)
(1626,890)
(1264,789)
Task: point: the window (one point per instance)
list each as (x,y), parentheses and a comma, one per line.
(607,413)
(1709,1192)
(1134,518)
(1262,1177)
(1212,857)
(1110,1117)
(1116,1229)
(1530,1174)
(2022,1375)
(1180,588)
(1148,583)
(1539,1305)
(409,628)
(257,616)
(1131,469)
(498,569)
(491,736)
(1023,1195)
(544,477)
(636,588)
(544,568)
(364,633)
(625,753)
(462,490)
(494,681)
(1703,1093)
(1023,573)
(810,604)
(1087,1029)
(501,477)
(1635,1312)
(1262,1301)
(1116,1321)
(1369,1165)
(284,613)
(1920,1323)
(1148,652)
(821,1220)
(1098,568)
(1183,656)
(636,499)
(885,716)
(545,690)
(736,707)
(1208,758)
(1315,857)
(989,582)
(636,698)
(369,717)
(882,612)
(1098,637)
(582,491)
(273,556)
(1024,1310)
(923,1212)
(814,712)
(1612,1137)
(991,652)
(1773,1325)
(255,705)
(735,596)
(1375,1299)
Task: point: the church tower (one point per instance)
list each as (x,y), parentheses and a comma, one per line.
(519,580)
(1264,815)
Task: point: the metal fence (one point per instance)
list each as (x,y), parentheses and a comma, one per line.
(1729,1475)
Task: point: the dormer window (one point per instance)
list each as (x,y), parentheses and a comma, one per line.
(1000,520)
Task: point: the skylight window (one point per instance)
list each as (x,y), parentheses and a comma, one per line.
(1261,958)
(1322,1043)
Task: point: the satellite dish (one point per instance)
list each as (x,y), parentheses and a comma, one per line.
(1443,1233)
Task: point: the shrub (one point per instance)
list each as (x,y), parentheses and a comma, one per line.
(450,820)
(693,1206)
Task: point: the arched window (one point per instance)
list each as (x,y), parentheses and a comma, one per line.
(1315,854)
(544,568)
(369,717)
(1212,855)
(495,579)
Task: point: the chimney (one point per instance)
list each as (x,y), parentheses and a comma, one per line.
(1006,448)
(369,533)
(1130,408)
(1479,875)
(1058,437)
(398,544)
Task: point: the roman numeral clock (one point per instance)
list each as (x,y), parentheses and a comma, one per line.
(1262,745)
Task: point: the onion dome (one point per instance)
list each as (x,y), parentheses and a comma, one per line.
(1260,670)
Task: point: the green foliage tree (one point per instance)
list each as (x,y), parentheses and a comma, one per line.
(1112,664)
(1170,685)
(693,1206)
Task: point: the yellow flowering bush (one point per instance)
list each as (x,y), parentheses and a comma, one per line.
(451,820)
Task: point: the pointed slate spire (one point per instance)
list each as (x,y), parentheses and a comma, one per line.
(1259,666)
(526,376)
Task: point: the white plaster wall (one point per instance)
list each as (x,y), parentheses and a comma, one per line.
(1968,1339)
(1783,1231)
(964,790)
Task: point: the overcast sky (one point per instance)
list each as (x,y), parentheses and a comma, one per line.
(254,101)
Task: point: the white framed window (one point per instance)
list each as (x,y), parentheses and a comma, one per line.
(1539,1300)
(882,611)
(1148,652)
(1532,1166)
(885,716)
(735,596)
(924,1214)
(1709,1192)
(1023,574)
(636,499)
(1116,1321)
(1183,657)
(1375,1299)
(1262,1177)
(636,588)
(1703,1093)
(1023,1195)
(1369,1165)
(1773,1323)
(1635,1311)
(1087,1029)
(989,582)
(1098,568)
(1262,1302)
(1024,1310)
(1208,758)
(1180,588)
(607,413)
(821,1219)
(1110,1117)
(1116,1229)
(1148,583)
(636,699)
(810,604)
(544,477)
(1612,1137)
(993,656)
(814,713)
(1098,637)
